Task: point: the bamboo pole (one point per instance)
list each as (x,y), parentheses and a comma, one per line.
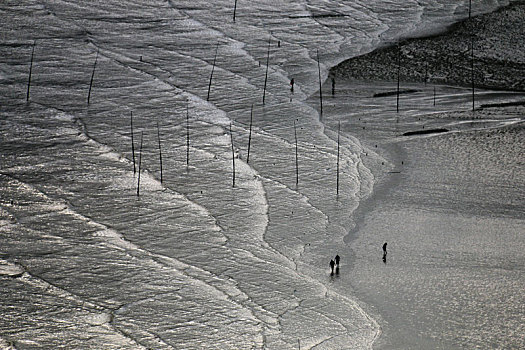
(233,155)
(338,132)
(250,136)
(234,10)
(30,71)
(267,64)
(320,83)
(296,155)
(140,163)
(92,76)
(398,77)
(133,146)
(212,70)
(187,136)
(469,8)
(472,68)
(160,152)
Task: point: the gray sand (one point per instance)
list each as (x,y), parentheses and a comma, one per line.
(450,205)
(499,58)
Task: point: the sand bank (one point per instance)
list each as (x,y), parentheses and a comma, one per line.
(499,60)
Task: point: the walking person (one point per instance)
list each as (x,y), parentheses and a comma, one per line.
(332,264)
(337,258)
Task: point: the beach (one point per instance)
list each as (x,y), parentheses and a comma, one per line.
(162,187)
(451,209)
(450,200)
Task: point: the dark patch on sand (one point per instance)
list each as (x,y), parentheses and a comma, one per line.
(425,132)
(393,93)
(324,15)
(504,104)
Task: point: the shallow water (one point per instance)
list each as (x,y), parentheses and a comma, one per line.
(193,262)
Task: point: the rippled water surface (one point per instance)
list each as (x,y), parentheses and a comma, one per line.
(191,261)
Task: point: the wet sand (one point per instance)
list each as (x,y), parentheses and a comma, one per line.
(499,60)
(454,231)
(449,204)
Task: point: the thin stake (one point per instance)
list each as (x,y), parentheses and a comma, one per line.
(140,162)
(234,10)
(30,71)
(472,68)
(233,155)
(187,136)
(160,151)
(320,83)
(296,155)
(267,64)
(469,7)
(250,136)
(398,74)
(212,70)
(92,76)
(434,95)
(338,132)
(133,146)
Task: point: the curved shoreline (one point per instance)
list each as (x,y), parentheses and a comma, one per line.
(393,151)
(358,68)
(246,287)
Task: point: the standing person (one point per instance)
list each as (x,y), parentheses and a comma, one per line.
(332,264)
(292,82)
(337,258)
(333,86)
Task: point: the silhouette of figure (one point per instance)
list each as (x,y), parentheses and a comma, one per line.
(291,84)
(332,264)
(384,249)
(337,258)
